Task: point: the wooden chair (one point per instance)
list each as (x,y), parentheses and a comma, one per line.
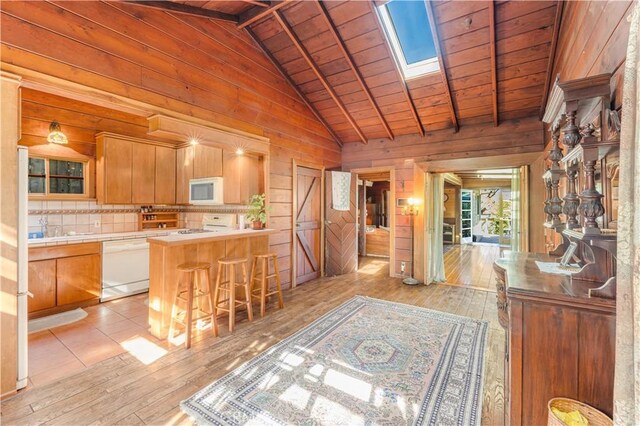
(262,291)
(228,266)
(196,287)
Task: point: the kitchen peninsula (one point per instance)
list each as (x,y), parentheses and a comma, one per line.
(167,252)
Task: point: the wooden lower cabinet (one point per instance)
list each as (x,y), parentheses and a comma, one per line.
(64,277)
(78,279)
(42,284)
(560,342)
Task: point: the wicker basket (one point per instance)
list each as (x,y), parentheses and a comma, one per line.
(593,416)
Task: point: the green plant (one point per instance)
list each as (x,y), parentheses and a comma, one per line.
(497,223)
(257,209)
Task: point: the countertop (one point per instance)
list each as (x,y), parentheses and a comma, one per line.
(86,238)
(205,237)
(524,280)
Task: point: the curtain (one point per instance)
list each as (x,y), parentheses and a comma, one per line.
(436,221)
(627,371)
(515,209)
(519,209)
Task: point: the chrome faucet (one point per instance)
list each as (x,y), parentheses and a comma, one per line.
(44,225)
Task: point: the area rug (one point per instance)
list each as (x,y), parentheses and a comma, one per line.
(56,320)
(367,362)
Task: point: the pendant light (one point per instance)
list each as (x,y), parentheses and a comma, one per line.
(56,135)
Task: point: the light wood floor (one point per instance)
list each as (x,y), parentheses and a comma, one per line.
(471,265)
(134,390)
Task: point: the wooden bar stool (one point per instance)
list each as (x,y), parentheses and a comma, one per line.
(229,265)
(196,287)
(262,292)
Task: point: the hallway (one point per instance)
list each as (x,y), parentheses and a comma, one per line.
(471,265)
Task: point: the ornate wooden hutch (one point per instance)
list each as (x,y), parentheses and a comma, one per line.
(561,327)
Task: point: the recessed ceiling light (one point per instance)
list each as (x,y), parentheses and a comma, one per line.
(194,141)
(239,151)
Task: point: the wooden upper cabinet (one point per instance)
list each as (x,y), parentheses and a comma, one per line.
(143,174)
(184,173)
(42,284)
(207,162)
(165,175)
(134,171)
(242,177)
(114,169)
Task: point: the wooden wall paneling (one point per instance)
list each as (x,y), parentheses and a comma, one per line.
(305,54)
(443,71)
(552,56)
(494,78)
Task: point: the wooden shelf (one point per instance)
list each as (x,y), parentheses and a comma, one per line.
(168,218)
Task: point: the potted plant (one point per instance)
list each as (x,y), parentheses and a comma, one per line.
(257,213)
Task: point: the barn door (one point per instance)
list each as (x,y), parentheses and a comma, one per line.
(308,222)
(341,248)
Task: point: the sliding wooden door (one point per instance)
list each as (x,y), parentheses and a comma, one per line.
(341,234)
(307,234)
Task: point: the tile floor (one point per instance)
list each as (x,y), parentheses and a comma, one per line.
(108,331)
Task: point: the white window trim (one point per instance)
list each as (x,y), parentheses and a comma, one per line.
(409,71)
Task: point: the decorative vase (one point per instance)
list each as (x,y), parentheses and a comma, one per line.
(257,224)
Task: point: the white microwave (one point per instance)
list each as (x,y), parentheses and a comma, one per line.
(206,191)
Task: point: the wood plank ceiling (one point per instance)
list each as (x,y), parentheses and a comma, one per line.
(496,59)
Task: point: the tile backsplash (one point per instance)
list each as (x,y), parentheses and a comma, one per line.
(64,217)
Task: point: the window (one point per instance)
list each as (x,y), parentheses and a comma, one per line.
(56,176)
(407,26)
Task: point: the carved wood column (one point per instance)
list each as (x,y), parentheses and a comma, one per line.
(591,207)
(556,172)
(571,140)
(547,201)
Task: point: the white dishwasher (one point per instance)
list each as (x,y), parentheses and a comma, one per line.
(125,268)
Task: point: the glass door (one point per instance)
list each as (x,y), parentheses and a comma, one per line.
(466,215)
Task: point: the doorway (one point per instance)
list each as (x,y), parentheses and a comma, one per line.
(375,219)
(308,218)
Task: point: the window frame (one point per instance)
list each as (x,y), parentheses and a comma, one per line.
(47,176)
(419,69)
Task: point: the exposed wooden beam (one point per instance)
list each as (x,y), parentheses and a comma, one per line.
(255,14)
(334,31)
(258,3)
(403,83)
(494,71)
(169,6)
(275,62)
(443,71)
(314,67)
(552,56)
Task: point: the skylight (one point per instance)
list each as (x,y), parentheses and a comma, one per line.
(407,26)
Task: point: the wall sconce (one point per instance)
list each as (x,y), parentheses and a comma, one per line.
(56,135)
(411,208)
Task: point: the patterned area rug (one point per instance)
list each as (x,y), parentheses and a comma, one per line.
(366,362)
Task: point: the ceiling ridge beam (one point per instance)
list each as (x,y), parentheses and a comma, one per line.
(258,13)
(314,67)
(494,71)
(184,9)
(552,56)
(403,83)
(279,67)
(443,71)
(259,3)
(341,44)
